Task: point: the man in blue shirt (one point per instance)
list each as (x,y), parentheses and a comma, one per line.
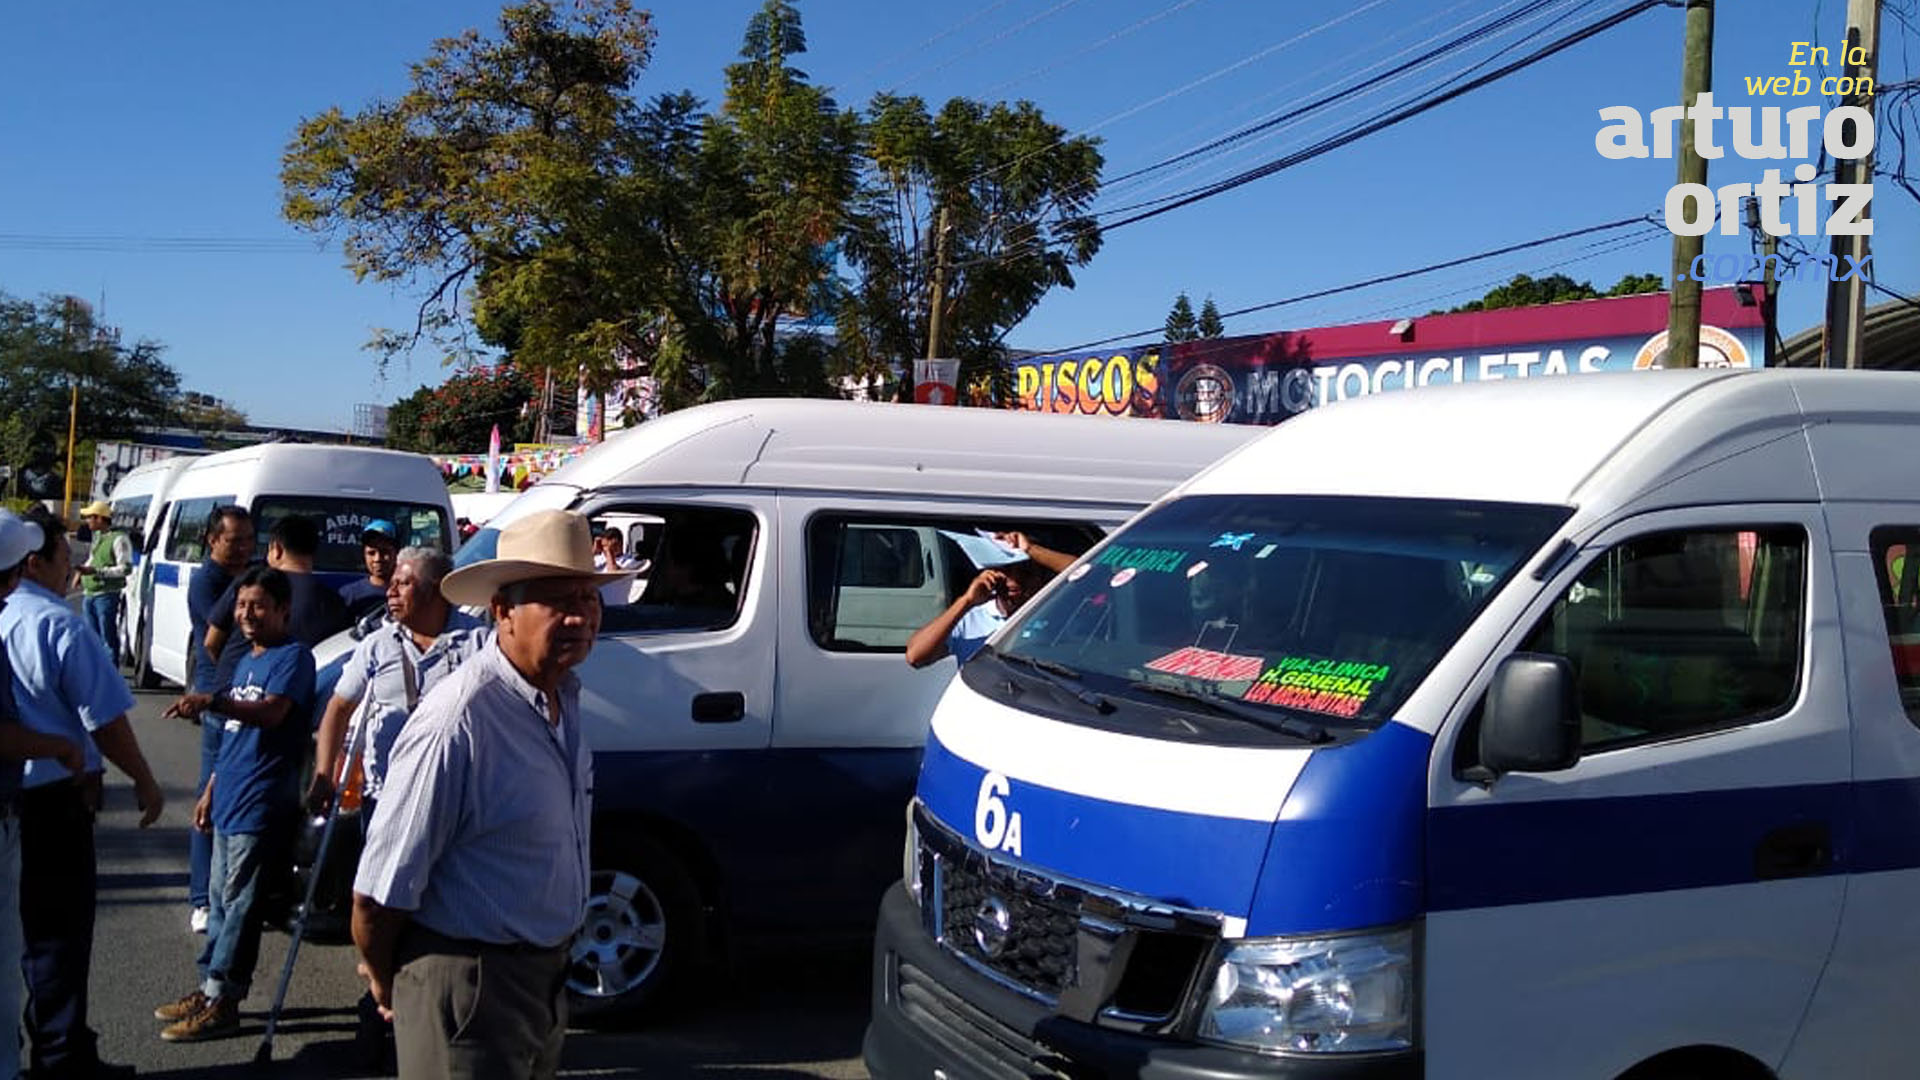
(250,800)
(17,743)
(380,546)
(66,685)
(991,598)
(230,541)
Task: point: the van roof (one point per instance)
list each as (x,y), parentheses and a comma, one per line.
(906,449)
(149,476)
(1647,439)
(318,468)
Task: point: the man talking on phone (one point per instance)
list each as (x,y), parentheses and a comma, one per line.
(994,594)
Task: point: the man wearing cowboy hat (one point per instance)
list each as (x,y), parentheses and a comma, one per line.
(476,859)
(105,574)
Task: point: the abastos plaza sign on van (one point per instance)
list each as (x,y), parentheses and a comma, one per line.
(1265,378)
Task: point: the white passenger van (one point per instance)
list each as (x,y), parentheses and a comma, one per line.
(756,729)
(1562,728)
(342,487)
(139,501)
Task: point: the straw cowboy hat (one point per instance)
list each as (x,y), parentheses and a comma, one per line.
(97,508)
(544,544)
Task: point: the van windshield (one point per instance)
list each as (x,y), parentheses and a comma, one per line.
(342,519)
(1253,619)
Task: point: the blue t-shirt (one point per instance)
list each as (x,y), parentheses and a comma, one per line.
(208,584)
(973,630)
(315,615)
(362,597)
(257,772)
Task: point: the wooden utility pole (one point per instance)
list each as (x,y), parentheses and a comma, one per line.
(936,311)
(1847,300)
(1683,303)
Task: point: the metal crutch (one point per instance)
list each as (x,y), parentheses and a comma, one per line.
(356,730)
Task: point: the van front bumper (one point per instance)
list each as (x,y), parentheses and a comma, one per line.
(934,1018)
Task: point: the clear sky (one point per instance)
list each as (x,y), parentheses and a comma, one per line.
(143,141)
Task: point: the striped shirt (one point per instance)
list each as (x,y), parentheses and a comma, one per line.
(482,832)
(376,677)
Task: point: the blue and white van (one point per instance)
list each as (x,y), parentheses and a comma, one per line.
(340,487)
(1565,728)
(756,730)
(139,504)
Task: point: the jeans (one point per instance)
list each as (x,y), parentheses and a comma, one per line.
(199,844)
(232,949)
(57,880)
(12,945)
(103,614)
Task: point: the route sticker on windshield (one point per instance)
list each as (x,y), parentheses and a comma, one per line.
(1335,687)
(1231,540)
(1159,560)
(1123,577)
(1196,568)
(1079,572)
(1207,664)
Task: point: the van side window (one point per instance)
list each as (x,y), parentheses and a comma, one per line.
(872,581)
(188,541)
(697,561)
(130,517)
(1680,632)
(1899,580)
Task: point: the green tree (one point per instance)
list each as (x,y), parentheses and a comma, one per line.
(1180,322)
(458,416)
(1210,325)
(1634,284)
(488,184)
(994,195)
(50,347)
(1525,291)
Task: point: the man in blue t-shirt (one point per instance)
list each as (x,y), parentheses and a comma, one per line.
(229,541)
(250,800)
(381,549)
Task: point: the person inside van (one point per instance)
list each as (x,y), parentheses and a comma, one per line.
(994,594)
(380,547)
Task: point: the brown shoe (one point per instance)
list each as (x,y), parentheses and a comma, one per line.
(179,1010)
(220,1018)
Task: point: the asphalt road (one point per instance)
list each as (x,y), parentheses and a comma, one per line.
(793,1014)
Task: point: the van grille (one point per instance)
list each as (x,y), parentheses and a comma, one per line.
(1033,933)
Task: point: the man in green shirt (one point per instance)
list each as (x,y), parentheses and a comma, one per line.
(105,574)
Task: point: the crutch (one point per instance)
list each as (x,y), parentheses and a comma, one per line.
(356,731)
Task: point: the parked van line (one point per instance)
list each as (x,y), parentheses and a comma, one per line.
(139,502)
(341,487)
(755,727)
(1562,729)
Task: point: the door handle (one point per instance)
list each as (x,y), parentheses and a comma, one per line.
(723,707)
(1793,851)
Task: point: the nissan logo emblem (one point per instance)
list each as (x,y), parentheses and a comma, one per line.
(992,924)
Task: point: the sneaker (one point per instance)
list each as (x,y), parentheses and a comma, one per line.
(183,1008)
(219,1018)
(197,922)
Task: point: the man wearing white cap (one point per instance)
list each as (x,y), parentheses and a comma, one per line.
(476,859)
(17,743)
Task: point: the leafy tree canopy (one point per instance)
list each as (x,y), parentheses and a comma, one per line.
(1525,291)
(1210,324)
(457,417)
(1180,322)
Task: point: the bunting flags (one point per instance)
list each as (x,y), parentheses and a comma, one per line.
(515,471)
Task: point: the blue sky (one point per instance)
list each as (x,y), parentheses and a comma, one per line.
(128,125)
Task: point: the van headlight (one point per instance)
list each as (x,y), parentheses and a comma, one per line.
(1349,994)
(910,857)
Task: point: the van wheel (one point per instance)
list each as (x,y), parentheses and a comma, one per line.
(642,933)
(144,676)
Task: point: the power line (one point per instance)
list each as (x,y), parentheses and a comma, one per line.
(1055,65)
(1398,116)
(1385,278)
(994,40)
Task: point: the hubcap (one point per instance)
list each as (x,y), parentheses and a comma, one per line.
(619,945)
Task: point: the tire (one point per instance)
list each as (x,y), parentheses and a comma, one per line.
(644,932)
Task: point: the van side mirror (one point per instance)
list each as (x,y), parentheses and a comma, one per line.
(1531,719)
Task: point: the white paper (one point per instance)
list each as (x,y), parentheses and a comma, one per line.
(982,550)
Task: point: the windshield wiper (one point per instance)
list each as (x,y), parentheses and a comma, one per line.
(1219,706)
(1051,672)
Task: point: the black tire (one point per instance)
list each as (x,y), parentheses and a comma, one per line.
(645,931)
(144,676)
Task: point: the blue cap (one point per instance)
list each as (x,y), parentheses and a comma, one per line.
(379,527)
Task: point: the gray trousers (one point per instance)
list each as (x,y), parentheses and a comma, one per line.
(464,1009)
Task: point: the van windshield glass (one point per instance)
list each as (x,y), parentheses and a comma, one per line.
(1258,618)
(342,519)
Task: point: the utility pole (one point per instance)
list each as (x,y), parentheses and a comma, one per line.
(1696,78)
(936,311)
(1847,300)
(1769,252)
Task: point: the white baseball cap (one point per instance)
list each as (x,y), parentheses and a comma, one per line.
(18,539)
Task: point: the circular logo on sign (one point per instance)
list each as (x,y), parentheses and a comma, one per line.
(1205,394)
(1718,349)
